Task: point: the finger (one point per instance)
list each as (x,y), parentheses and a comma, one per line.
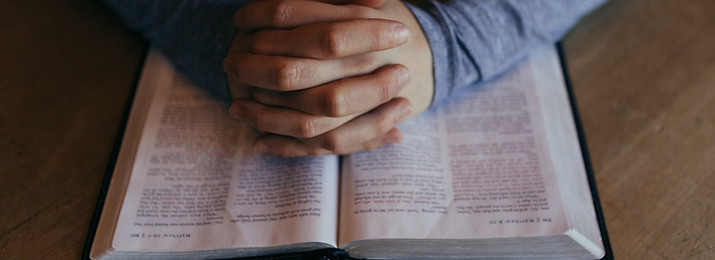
(283,121)
(275,72)
(343,97)
(285,146)
(292,147)
(368,126)
(391,137)
(331,40)
(288,73)
(289,14)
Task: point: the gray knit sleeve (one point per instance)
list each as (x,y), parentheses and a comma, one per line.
(194,35)
(476,40)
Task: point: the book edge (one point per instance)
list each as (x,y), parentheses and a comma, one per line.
(101,197)
(584,152)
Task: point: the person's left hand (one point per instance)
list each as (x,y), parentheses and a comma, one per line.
(340,99)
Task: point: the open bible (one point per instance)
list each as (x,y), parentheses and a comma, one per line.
(497,172)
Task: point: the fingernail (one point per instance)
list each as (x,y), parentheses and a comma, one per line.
(402,34)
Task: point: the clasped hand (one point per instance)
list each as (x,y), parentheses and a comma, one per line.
(325,77)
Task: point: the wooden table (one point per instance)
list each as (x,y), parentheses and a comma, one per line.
(643,72)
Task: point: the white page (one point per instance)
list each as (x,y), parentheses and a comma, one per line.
(197,185)
(478,167)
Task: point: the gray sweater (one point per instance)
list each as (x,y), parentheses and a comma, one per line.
(471,40)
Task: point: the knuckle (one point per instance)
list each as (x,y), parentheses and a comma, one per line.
(384,88)
(333,143)
(282,12)
(333,43)
(307,128)
(334,103)
(287,76)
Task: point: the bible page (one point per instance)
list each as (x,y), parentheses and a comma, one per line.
(476,167)
(197,185)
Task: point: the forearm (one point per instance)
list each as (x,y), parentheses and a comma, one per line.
(194,35)
(473,41)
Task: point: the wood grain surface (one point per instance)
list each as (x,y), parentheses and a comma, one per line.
(643,73)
